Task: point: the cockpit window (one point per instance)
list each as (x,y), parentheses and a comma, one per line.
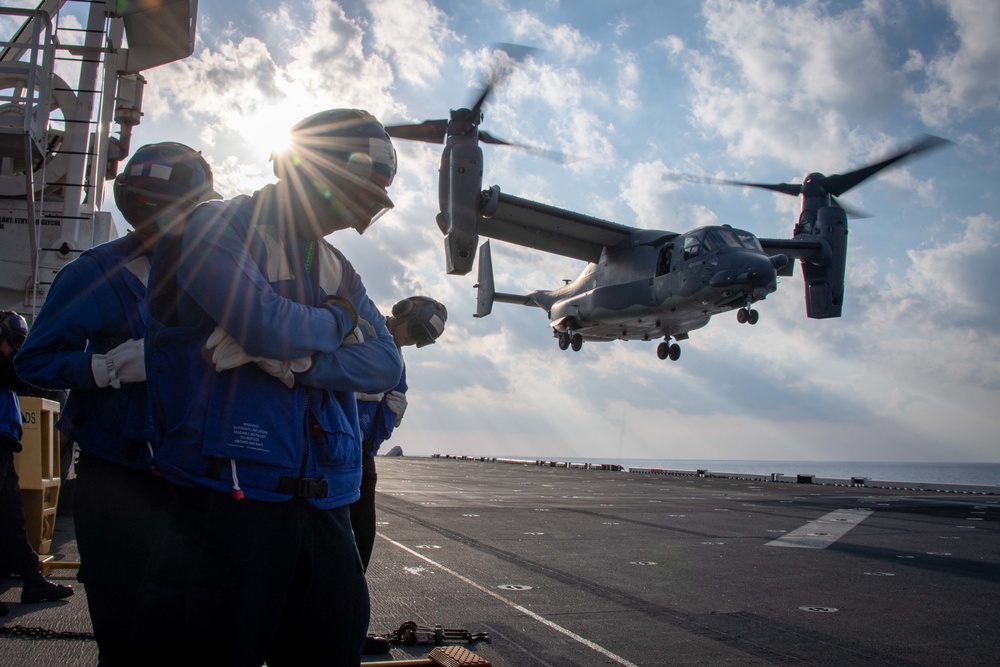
(727,237)
(747,240)
(692,246)
(715,238)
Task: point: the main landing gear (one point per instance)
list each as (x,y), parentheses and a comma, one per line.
(567,339)
(747,315)
(668,350)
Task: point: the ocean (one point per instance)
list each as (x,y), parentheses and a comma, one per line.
(977,474)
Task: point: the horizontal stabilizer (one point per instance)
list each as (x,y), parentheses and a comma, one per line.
(487,290)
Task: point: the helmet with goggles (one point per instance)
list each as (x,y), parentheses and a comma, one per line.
(160,183)
(13,328)
(423,317)
(345,155)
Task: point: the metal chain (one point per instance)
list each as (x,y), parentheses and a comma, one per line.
(411,634)
(43,633)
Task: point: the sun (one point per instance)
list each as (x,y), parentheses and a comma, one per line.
(277,141)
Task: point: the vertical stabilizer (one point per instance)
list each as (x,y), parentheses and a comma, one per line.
(487,290)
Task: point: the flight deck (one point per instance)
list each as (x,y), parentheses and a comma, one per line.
(566,566)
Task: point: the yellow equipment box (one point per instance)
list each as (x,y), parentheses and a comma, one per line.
(37,467)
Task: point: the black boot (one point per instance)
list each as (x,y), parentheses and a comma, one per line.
(376,645)
(43,590)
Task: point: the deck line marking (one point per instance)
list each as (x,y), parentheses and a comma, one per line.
(544,621)
(822,532)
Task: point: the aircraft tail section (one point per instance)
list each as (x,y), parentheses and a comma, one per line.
(487,290)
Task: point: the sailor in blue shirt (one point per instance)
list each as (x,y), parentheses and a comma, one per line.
(88,338)
(260,332)
(416,320)
(16,552)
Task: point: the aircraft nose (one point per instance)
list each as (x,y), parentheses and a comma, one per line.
(759,272)
(755,273)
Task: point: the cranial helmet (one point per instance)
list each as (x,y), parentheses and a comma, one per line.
(160,183)
(424,318)
(13,328)
(345,154)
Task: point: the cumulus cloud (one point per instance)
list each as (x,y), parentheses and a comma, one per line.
(786,81)
(956,284)
(412,34)
(628,79)
(562,38)
(963,79)
(650,190)
(672,44)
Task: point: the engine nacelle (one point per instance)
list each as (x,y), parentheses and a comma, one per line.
(461,181)
(824,275)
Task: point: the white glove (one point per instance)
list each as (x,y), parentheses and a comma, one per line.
(228,354)
(364,331)
(396,402)
(121,365)
(285,370)
(369,397)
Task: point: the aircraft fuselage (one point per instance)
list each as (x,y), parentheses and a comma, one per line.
(654,290)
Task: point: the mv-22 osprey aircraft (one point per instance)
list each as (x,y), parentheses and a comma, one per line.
(639,284)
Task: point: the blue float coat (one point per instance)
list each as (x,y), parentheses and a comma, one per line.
(241,269)
(377,420)
(10,415)
(94,304)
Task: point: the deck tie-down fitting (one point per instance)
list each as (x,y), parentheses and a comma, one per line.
(411,634)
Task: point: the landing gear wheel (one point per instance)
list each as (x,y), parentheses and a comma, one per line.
(563,340)
(752,317)
(742,316)
(576,342)
(667,350)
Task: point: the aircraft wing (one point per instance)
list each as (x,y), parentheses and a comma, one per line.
(793,248)
(547,228)
(801,249)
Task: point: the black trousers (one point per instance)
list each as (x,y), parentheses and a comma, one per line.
(17,553)
(363,511)
(238,583)
(118,514)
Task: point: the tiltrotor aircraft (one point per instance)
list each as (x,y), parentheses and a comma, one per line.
(639,284)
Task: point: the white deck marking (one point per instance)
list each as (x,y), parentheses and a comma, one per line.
(822,532)
(544,621)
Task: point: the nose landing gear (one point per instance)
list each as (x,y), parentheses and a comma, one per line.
(747,315)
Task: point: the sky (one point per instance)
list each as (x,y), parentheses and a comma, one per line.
(639,91)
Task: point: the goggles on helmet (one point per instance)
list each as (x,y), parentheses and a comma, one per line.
(421,333)
(361,204)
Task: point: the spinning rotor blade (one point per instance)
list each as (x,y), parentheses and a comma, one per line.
(835,185)
(435,131)
(556,156)
(851,210)
(784,188)
(838,184)
(431,131)
(488,138)
(501,71)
